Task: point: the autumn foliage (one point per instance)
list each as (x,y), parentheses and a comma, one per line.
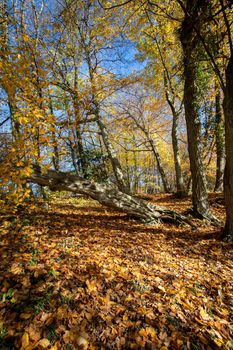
(78,276)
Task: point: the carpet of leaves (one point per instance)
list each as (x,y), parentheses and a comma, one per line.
(78,276)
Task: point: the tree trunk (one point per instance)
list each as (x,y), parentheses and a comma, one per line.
(155,152)
(190,47)
(159,164)
(55,158)
(106,195)
(116,166)
(220,150)
(199,192)
(170,97)
(81,153)
(228,174)
(180,189)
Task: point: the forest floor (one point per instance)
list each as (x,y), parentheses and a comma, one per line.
(76,275)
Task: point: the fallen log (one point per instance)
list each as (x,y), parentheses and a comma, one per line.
(107,195)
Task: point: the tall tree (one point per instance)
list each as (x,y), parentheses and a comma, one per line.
(194,10)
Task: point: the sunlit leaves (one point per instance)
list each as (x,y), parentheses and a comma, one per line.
(158,292)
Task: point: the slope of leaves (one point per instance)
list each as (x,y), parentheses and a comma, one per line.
(78,276)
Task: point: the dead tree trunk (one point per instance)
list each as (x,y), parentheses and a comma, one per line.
(106,195)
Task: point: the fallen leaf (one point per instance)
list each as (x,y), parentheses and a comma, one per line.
(25,316)
(204,314)
(44,343)
(25,340)
(81,341)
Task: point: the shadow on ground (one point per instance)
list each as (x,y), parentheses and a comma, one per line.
(87,275)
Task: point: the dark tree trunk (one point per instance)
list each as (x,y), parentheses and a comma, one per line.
(199,192)
(228,174)
(220,149)
(189,41)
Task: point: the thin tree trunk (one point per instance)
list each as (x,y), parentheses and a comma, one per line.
(154,151)
(135,171)
(55,158)
(180,188)
(127,166)
(159,165)
(116,166)
(220,148)
(80,148)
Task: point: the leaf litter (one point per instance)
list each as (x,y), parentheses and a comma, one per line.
(84,277)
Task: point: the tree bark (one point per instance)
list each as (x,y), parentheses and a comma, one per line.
(189,41)
(81,152)
(228,174)
(55,158)
(116,166)
(159,164)
(106,195)
(220,149)
(180,189)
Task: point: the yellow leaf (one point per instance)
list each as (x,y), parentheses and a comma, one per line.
(204,314)
(143,333)
(224,312)
(68,337)
(25,340)
(91,286)
(44,343)
(25,316)
(218,341)
(179,342)
(82,342)
(54,347)
(25,37)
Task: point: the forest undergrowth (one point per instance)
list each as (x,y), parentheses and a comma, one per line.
(75,275)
